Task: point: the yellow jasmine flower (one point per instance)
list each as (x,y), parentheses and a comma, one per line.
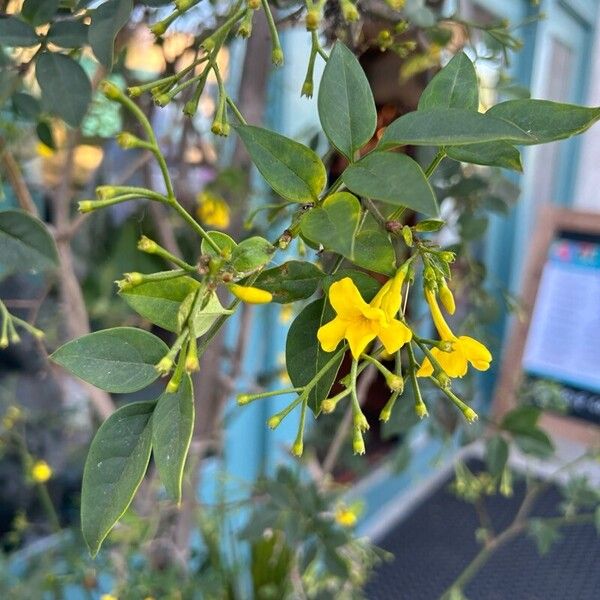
(464,349)
(249,294)
(213,210)
(345,516)
(360,323)
(108,597)
(44,151)
(41,471)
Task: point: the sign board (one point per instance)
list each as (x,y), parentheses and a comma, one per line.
(557,340)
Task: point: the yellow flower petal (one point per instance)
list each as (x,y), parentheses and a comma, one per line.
(426,368)
(359,334)
(394,335)
(331,334)
(436,314)
(41,471)
(346,299)
(454,363)
(475,352)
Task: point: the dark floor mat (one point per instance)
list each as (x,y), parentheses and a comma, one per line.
(436,542)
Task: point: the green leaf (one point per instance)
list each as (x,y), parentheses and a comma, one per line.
(66,89)
(294,171)
(222,240)
(303,354)
(544,535)
(26,105)
(25,244)
(116,360)
(251,253)
(39,11)
(346,105)
(449,127)
(114,468)
(68,34)
(291,281)
(496,455)
(545,121)
(522,418)
(392,178)
(455,86)
(16,33)
(107,21)
(535,441)
(44,133)
(159,303)
(492,154)
(172,428)
(336,224)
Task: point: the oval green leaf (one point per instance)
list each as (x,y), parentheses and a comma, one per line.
(491,154)
(25,243)
(68,34)
(39,11)
(545,121)
(291,281)
(303,354)
(16,33)
(346,105)
(107,20)
(336,225)
(66,89)
(251,254)
(172,428)
(118,360)
(455,86)
(114,468)
(393,178)
(449,127)
(293,171)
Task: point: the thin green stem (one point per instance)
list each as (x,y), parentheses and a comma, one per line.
(435,163)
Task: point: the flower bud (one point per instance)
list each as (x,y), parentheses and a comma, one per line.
(312,20)
(243,399)
(395,383)
(443,380)
(360,422)
(506,487)
(15,338)
(277,57)
(407,236)
(307,89)
(358,443)
(106,192)
(328,406)
(86,206)
(385,414)
(274,421)
(183,5)
(145,244)
(384,39)
(254,4)
(110,90)
(192,364)
(127,141)
(250,295)
(41,471)
(447,256)
(159,28)
(173,384)
(164,365)
(396,4)
(134,91)
(349,11)
(162,99)
(470,415)
(4,341)
(421,409)
(298,448)
(446,298)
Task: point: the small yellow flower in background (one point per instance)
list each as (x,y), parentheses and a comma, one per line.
(286,313)
(464,350)
(213,210)
(41,471)
(108,597)
(44,151)
(346,516)
(360,323)
(249,294)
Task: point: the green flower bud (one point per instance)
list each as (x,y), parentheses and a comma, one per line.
(312,20)
(470,415)
(298,448)
(421,410)
(358,443)
(277,57)
(110,90)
